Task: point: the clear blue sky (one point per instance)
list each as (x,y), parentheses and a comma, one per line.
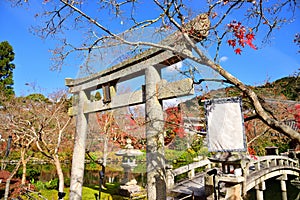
(32,60)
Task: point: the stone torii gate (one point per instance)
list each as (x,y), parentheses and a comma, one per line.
(149,63)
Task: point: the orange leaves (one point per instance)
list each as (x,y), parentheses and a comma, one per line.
(297,115)
(241,37)
(174,122)
(251,151)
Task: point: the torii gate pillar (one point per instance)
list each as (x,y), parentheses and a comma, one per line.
(78,159)
(156,175)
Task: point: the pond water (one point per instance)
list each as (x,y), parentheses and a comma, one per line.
(113,174)
(273,191)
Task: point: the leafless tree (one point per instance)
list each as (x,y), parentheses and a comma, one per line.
(38,125)
(15,123)
(53,128)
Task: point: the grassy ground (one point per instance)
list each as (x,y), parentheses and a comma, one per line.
(108,193)
(87,193)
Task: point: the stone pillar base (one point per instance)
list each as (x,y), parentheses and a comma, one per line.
(132,191)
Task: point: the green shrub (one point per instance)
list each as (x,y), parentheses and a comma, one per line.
(112,188)
(52,184)
(204,152)
(32,173)
(67,181)
(39,185)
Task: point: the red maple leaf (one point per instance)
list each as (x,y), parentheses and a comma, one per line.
(241,36)
(242,42)
(249,42)
(250,36)
(231,43)
(238,51)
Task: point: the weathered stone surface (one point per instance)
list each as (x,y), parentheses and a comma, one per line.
(165,90)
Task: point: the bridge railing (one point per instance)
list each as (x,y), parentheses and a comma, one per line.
(257,171)
(264,162)
(190,169)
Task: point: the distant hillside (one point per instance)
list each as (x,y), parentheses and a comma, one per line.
(287,88)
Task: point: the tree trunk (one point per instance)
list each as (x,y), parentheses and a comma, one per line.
(6,194)
(24,165)
(261,112)
(60,174)
(105,150)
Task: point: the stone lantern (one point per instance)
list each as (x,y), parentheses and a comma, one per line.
(129,154)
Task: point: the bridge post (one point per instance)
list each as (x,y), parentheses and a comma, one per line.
(233,186)
(257,165)
(283,190)
(245,167)
(170,177)
(273,162)
(282,180)
(210,183)
(233,191)
(191,174)
(260,190)
(267,162)
(281,162)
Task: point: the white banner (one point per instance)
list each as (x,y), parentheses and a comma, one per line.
(225,125)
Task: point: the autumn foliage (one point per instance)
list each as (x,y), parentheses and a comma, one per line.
(297,115)
(130,129)
(173,124)
(240,37)
(118,133)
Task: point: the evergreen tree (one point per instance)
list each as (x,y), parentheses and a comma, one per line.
(6,68)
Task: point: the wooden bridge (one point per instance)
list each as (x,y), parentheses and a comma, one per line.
(231,179)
